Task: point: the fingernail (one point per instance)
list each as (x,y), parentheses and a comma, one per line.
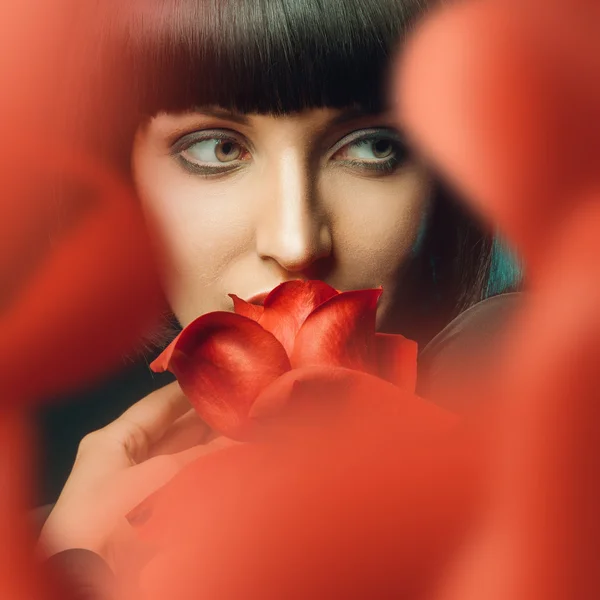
(140,514)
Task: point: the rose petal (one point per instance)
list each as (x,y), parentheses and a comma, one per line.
(161,363)
(344,328)
(397,360)
(289,304)
(274,398)
(222,362)
(323,397)
(246,309)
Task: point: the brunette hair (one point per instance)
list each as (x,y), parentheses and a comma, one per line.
(137,58)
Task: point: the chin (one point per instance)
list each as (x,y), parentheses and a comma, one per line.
(383,317)
(190,315)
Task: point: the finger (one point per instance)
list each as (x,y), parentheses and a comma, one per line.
(133,485)
(156,412)
(128,440)
(186,432)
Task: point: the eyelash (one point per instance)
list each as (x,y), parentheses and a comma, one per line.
(376,167)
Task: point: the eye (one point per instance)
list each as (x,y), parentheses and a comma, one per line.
(210,152)
(375,150)
(369,149)
(214,151)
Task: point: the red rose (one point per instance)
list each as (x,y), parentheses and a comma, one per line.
(228,364)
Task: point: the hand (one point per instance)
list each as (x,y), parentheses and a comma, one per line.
(118,466)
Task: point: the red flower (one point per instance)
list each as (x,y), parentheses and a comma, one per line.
(227,363)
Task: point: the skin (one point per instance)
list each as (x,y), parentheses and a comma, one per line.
(291,197)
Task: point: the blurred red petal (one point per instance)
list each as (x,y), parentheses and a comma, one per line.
(397,360)
(289,304)
(362,521)
(540,538)
(246,309)
(335,382)
(491,53)
(352,478)
(88,301)
(16,544)
(222,362)
(323,397)
(344,327)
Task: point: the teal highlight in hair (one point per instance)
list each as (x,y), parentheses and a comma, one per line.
(506,271)
(420,239)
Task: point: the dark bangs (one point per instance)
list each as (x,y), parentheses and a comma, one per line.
(261,56)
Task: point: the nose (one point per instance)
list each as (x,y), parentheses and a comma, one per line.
(292,229)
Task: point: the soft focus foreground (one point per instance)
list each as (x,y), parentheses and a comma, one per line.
(356,490)
(78,285)
(518,129)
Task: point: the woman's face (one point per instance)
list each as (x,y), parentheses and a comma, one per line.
(246,202)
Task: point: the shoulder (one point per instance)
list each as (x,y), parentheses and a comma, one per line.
(468,343)
(475,324)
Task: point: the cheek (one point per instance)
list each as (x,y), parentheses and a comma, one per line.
(377,221)
(202,228)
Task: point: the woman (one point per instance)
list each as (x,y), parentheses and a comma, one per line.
(257,138)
